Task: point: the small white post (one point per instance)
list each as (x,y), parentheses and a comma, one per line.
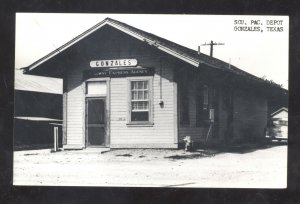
(55,138)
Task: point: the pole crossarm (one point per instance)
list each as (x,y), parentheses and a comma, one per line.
(211,44)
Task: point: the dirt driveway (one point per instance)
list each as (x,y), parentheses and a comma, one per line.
(261,168)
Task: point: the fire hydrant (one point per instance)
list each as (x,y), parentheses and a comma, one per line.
(188,142)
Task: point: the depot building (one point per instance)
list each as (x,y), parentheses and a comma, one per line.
(126,88)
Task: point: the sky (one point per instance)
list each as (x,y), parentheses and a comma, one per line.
(263,53)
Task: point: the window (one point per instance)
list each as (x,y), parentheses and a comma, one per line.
(140,101)
(283,122)
(96,88)
(202,105)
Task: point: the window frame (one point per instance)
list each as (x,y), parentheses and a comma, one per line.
(150,101)
(184,91)
(95,80)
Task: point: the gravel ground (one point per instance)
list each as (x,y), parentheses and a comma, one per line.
(257,168)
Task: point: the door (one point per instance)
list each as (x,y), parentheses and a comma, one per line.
(95,122)
(227,105)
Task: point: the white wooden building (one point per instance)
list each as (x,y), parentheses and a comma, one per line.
(280,119)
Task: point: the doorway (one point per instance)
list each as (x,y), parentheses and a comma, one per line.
(95,122)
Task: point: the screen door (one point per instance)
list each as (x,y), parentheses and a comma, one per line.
(95,122)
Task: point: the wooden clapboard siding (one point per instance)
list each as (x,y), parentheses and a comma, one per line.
(163,118)
(142,145)
(162,133)
(75,109)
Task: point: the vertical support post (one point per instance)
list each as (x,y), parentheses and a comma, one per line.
(211,48)
(65,99)
(55,138)
(160,79)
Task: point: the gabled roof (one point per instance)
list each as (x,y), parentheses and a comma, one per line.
(280,110)
(188,55)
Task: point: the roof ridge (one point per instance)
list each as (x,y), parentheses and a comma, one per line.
(197,55)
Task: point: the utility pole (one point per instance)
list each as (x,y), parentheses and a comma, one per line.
(212,46)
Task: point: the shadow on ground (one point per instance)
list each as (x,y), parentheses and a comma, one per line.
(212,151)
(194,155)
(247,148)
(33,147)
(124,155)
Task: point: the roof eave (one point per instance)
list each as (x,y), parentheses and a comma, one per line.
(281,109)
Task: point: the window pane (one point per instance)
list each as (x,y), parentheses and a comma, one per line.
(143,105)
(139,116)
(146,105)
(139,105)
(134,95)
(134,106)
(140,85)
(145,84)
(140,95)
(145,94)
(96,87)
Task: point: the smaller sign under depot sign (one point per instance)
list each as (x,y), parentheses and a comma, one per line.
(115,73)
(114,63)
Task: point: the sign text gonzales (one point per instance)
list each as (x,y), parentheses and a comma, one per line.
(114,63)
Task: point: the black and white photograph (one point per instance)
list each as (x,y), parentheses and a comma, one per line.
(151,100)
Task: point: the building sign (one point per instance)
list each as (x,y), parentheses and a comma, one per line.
(114,73)
(114,63)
